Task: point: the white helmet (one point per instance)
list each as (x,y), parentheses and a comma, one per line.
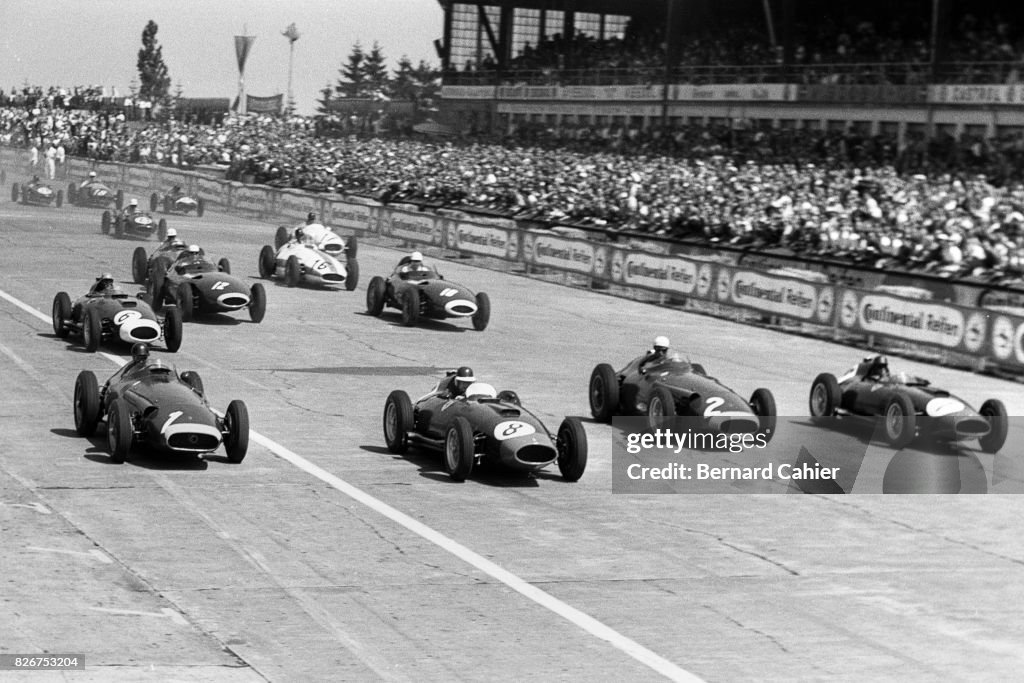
(416,256)
(193,249)
(133,202)
(171,234)
(661,342)
(92,174)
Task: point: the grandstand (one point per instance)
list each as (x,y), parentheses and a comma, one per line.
(919,68)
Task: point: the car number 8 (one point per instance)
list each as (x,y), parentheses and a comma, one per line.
(512,429)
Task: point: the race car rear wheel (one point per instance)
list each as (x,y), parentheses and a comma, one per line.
(375,295)
(660,405)
(172,329)
(60,198)
(105,222)
(459,448)
(280,237)
(154,201)
(119,200)
(293,271)
(14,192)
(61,314)
(161,229)
(825,395)
(994,412)
(185,301)
(257,303)
(200,207)
(410,306)
(194,380)
(157,281)
(762,402)
(483,312)
(900,421)
(119,432)
(86,403)
(224,265)
(604,393)
(139,265)
(398,421)
(92,330)
(572,449)
(236,426)
(72,193)
(351,246)
(266,262)
(118,226)
(352,274)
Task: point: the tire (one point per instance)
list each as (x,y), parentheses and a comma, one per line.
(375,296)
(257,303)
(224,265)
(281,237)
(572,449)
(398,421)
(267,262)
(105,222)
(483,312)
(72,193)
(92,331)
(762,402)
(184,299)
(118,227)
(604,393)
(236,423)
(61,313)
(825,396)
(459,454)
(200,207)
(899,421)
(352,274)
(509,396)
(194,380)
(154,202)
(410,306)
(293,271)
(172,329)
(86,403)
(119,432)
(14,192)
(140,264)
(119,200)
(660,405)
(60,198)
(161,229)
(994,411)
(157,284)
(351,246)
(167,205)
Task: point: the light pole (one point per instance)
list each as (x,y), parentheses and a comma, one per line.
(292,34)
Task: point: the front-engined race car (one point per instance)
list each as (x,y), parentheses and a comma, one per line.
(483,425)
(177,202)
(142,263)
(322,237)
(111,315)
(198,286)
(297,263)
(137,224)
(424,293)
(908,406)
(670,386)
(36,192)
(148,403)
(95,194)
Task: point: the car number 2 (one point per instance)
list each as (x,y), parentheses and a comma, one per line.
(512,429)
(712,405)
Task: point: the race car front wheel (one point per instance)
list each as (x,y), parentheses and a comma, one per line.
(257,303)
(236,426)
(61,314)
(398,421)
(375,296)
(119,432)
(459,449)
(572,449)
(604,393)
(87,403)
(899,421)
(825,395)
(994,411)
(762,402)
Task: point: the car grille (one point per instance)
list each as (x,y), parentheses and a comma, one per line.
(972,426)
(144,333)
(332,277)
(191,441)
(740,425)
(535,454)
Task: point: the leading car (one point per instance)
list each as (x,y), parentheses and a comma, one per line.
(147,403)
(197,286)
(482,425)
(909,406)
(419,291)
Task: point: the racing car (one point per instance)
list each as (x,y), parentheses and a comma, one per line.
(36,192)
(483,425)
(909,406)
(197,286)
(670,386)
(92,192)
(134,224)
(147,402)
(142,263)
(300,262)
(107,313)
(176,201)
(419,291)
(322,236)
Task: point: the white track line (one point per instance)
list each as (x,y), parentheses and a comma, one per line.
(571,614)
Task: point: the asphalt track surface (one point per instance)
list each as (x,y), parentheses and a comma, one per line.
(324,557)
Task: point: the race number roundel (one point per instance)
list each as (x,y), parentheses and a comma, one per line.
(704,280)
(512,429)
(124,316)
(1002,338)
(848,309)
(974,335)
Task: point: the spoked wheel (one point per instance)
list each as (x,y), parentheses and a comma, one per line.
(825,396)
(900,421)
(459,449)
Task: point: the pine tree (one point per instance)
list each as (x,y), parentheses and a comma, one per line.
(353,77)
(153,76)
(427,80)
(403,84)
(375,72)
(324,103)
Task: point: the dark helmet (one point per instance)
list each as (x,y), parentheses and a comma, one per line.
(310,217)
(879,367)
(140,351)
(299,234)
(464,376)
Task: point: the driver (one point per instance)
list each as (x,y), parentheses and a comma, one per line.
(301,237)
(175,192)
(412,265)
(189,256)
(455,384)
(104,286)
(132,208)
(91,179)
(656,354)
(878,370)
(310,218)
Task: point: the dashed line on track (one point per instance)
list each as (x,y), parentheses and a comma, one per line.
(574,616)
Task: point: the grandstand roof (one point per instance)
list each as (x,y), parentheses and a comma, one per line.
(623,7)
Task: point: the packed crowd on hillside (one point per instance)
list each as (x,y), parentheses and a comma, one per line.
(947,206)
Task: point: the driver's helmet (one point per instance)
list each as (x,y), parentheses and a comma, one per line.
(463,378)
(140,351)
(92,175)
(133,204)
(176,189)
(193,250)
(879,367)
(299,234)
(416,258)
(104,282)
(661,344)
(310,218)
(172,235)
(35,179)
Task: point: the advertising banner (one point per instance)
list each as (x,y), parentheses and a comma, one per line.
(574,255)
(249,198)
(661,273)
(138,178)
(1006,340)
(353,216)
(414,227)
(743,92)
(296,204)
(976,94)
(863,94)
(484,240)
(212,191)
(467,92)
(787,296)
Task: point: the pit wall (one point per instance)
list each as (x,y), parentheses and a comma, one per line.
(929,319)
